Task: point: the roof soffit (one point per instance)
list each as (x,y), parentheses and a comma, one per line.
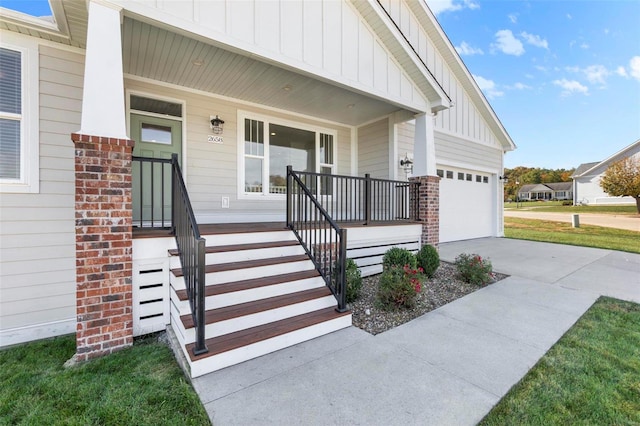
(379,20)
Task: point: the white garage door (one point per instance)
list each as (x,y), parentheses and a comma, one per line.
(467,204)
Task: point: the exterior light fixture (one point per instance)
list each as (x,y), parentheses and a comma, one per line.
(216,125)
(504,178)
(406,164)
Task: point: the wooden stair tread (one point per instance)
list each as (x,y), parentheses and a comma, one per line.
(240,247)
(242,309)
(247,264)
(238,339)
(230,287)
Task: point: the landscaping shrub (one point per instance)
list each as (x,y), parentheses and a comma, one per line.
(428,259)
(397,256)
(474,269)
(567,203)
(354,280)
(399,286)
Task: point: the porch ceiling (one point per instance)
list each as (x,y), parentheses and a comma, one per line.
(159,54)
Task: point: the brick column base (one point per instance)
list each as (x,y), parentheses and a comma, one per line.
(103,245)
(429,208)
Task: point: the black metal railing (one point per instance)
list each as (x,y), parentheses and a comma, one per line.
(324,241)
(151,192)
(363,199)
(192,253)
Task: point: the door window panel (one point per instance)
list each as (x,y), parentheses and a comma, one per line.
(289,146)
(155,134)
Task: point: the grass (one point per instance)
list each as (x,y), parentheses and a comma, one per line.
(140,385)
(556,207)
(563,233)
(591,376)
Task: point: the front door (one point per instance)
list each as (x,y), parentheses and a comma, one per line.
(151,181)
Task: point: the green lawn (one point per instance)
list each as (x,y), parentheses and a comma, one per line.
(141,385)
(557,207)
(591,376)
(563,233)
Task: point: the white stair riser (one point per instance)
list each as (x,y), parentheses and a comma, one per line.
(250,295)
(236,356)
(248,273)
(260,318)
(249,238)
(242,255)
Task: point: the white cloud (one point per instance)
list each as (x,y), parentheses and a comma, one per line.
(439,6)
(466,50)
(529,75)
(488,87)
(507,43)
(571,86)
(584,46)
(596,74)
(541,68)
(572,43)
(534,40)
(634,67)
(521,86)
(569,16)
(621,72)
(513,17)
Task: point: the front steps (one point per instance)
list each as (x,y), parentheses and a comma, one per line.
(262,294)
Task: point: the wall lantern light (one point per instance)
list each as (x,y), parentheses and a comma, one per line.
(216,125)
(504,178)
(406,164)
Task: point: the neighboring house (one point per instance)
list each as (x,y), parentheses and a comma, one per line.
(586,179)
(123,121)
(546,191)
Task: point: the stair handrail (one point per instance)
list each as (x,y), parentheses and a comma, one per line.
(191,247)
(323,240)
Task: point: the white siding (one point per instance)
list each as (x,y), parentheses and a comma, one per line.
(328,38)
(458,151)
(373,149)
(211,168)
(37,254)
(463,119)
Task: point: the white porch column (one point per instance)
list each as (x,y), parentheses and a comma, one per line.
(424,151)
(103,107)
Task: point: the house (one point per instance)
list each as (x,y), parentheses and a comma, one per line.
(145,153)
(586,179)
(546,191)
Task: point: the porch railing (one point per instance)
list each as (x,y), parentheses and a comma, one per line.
(192,253)
(324,241)
(363,199)
(152,189)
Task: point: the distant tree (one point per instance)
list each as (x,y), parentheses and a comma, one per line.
(623,179)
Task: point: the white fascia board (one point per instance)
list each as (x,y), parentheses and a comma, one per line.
(424,15)
(615,157)
(36,24)
(160,19)
(443,101)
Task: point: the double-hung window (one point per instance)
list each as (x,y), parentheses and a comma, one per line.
(270,146)
(18,119)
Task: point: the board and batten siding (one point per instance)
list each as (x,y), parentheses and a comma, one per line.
(463,118)
(37,253)
(327,38)
(373,149)
(212,168)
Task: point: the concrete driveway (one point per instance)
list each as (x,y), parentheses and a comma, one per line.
(448,367)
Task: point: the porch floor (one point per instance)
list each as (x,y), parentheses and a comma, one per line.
(237,228)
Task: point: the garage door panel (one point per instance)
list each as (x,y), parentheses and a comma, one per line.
(466,207)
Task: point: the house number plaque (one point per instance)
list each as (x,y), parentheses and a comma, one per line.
(214,139)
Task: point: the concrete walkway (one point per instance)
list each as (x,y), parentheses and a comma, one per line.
(448,367)
(627,222)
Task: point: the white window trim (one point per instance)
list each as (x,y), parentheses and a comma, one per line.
(242,115)
(29,181)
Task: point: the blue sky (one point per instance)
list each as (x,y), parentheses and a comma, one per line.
(562,76)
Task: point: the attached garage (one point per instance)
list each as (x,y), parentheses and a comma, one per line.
(467,204)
